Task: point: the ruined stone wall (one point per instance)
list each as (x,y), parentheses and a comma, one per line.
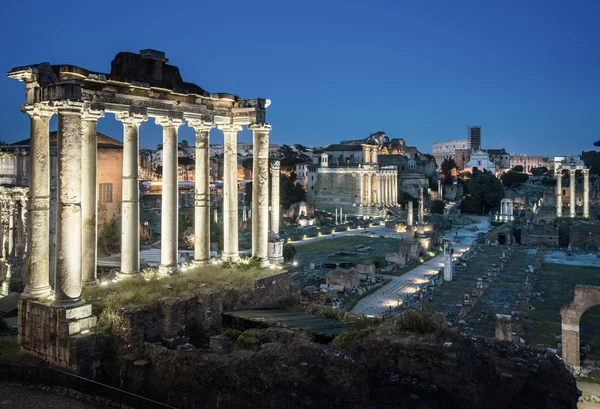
(585,234)
(412,182)
(453,192)
(272,291)
(540,235)
(336,189)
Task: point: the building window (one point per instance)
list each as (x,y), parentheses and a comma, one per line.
(105,194)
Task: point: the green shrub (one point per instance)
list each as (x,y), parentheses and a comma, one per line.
(232,333)
(416,321)
(289,251)
(344,339)
(437,206)
(3,324)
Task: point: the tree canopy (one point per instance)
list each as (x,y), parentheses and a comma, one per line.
(447,166)
(437,206)
(518,169)
(512,178)
(540,171)
(291,156)
(485,193)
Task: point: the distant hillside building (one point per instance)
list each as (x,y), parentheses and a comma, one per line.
(531,162)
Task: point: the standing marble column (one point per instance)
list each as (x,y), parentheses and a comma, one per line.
(11,228)
(37,284)
(409,214)
(440,193)
(369,189)
(202,192)
(89,202)
(68,283)
(559,193)
(586,193)
(170,197)
(260,191)
(572,193)
(275,200)
(361,178)
(378,188)
(231,193)
(394,189)
(421,206)
(130,207)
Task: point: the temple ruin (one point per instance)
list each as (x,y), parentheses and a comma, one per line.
(138,86)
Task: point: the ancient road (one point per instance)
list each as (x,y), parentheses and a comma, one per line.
(399,287)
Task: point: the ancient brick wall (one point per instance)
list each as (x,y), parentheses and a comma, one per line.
(585,234)
(540,235)
(335,189)
(110,171)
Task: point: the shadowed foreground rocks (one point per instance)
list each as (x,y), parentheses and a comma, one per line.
(278,368)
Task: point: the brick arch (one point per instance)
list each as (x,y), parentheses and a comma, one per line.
(586,296)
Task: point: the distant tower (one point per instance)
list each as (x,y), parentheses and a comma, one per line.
(474,137)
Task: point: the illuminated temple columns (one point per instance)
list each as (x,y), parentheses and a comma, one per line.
(230,192)
(202,192)
(378,187)
(37,284)
(369,189)
(170,196)
(440,192)
(361,181)
(409,214)
(89,203)
(260,191)
(572,192)
(586,193)
(421,206)
(68,283)
(275,200)
(559,193)
(130,207)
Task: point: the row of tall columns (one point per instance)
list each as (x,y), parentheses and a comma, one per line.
(586,193)
(378,188)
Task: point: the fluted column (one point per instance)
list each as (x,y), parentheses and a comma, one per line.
(11,228)
(586,193)
(440,193)
(231,193)
(361,178)
(572,192)
(421,206)
(130,207)
(170,197)
(260,191)
(275,200)
(559,193)
(369,189)
(68,283)
(395,190)
(89,202)
(378,188)
(37,284)
(202,192)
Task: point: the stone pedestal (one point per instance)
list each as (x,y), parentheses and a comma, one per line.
(60,336)
(275,250)
(504,327)
(420,228)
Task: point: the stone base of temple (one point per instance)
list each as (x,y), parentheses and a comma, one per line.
(275,251)
(201,263)
(60,336)
(168,270)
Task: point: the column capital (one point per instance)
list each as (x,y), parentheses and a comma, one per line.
(585,171)
(572,172)
(276,165)
(166,121)
(260,127)
(38,110)
(200,125)
(92,114)
(230,127)
(132,118)
(70,107)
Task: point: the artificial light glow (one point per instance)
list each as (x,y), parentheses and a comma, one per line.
(104,283)
(85,331)
(295,263)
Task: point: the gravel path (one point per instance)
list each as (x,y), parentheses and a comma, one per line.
(408,283)
(14,396)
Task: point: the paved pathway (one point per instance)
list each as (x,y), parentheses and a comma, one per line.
(14,396)
(400,287)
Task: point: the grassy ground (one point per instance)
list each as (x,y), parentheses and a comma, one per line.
(8,350)
(323,250)
(149,287)
(558,283)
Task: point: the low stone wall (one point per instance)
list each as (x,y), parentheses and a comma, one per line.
(540,235)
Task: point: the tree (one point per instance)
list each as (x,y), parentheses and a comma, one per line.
(517,169)
(541,171)
(158,172)
(485,193)
(289,251)
(187,163)
(110,236)
(512,178)
(437,207)
(289,156)
(290,192)
(597,143)
(447,166)
(248,163)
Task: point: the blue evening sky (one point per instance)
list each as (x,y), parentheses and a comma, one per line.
(527,71)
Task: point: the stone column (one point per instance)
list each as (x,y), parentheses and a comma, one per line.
(559,193)
(378,188)
(260,191)
(572,192)
(421,206)
(369,189)
(89,202)
(230,192)
(448,261)
(130,207)
(586,193)
(361,178)
(202,192)
(275,200)
(170,197)
(409,215)
(440,192)
(68,283)
(395,190)
(37,284)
